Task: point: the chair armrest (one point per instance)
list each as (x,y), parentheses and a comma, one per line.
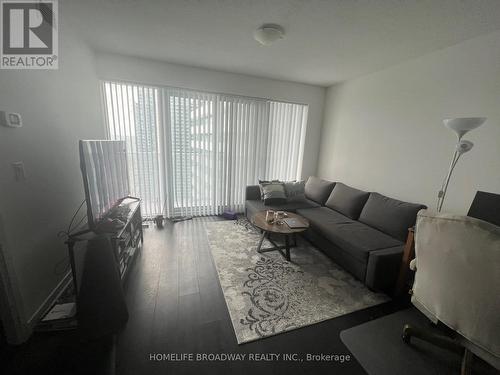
(252,193)
(383,268)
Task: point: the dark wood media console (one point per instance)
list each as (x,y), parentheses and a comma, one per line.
(126,240)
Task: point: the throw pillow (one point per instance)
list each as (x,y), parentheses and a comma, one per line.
(347,200)
(272,192)
(295,190)
(390,215)
(318,190)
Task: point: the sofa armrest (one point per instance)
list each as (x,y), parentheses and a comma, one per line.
(383,268)
(252,193)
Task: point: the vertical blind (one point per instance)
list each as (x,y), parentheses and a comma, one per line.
(131,113)
(286,140)
(193,153)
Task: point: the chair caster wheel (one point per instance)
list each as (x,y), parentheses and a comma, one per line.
(406,336)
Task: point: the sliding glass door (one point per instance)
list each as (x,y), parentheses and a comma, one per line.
(189,153)
(193,153)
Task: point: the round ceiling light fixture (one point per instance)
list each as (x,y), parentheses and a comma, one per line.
(268,34)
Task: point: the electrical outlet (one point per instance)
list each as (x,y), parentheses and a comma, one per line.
(19,173)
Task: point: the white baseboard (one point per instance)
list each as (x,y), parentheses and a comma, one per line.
(50,300)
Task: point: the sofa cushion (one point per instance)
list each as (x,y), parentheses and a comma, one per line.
(358,239)
(252,192)
(295,190)
(254,206)
(318,190)
(323,216)
(347,200)
(389,215)
(273,192)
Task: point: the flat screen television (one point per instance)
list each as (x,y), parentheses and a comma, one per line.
(105,176)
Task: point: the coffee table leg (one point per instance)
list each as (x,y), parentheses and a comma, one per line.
(287,248)
(263,235)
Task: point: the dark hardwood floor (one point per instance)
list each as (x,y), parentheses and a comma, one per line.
(54,353)
(176,305)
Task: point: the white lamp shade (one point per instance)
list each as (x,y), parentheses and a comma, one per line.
(462,125)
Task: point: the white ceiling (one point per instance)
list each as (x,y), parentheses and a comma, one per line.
(327,41)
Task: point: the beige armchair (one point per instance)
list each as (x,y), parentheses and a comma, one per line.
(457,283)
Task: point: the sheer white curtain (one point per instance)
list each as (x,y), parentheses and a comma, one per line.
(202,149)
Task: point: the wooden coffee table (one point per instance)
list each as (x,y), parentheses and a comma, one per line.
(259,220)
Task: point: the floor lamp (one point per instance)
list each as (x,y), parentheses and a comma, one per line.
(460,126)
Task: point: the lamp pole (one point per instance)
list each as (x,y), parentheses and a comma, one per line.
(460,126)
(446,181)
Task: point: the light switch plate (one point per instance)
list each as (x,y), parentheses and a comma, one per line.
(19,173)
(10,119)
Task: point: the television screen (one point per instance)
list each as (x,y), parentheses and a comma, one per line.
(105,176)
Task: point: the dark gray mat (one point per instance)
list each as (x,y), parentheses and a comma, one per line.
(378,347)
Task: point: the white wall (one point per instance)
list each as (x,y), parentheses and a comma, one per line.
(58,108)
(383,132)
(110,66)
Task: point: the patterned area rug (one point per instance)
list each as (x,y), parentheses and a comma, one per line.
(267,295)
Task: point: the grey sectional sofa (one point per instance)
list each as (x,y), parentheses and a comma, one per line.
(362,232)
